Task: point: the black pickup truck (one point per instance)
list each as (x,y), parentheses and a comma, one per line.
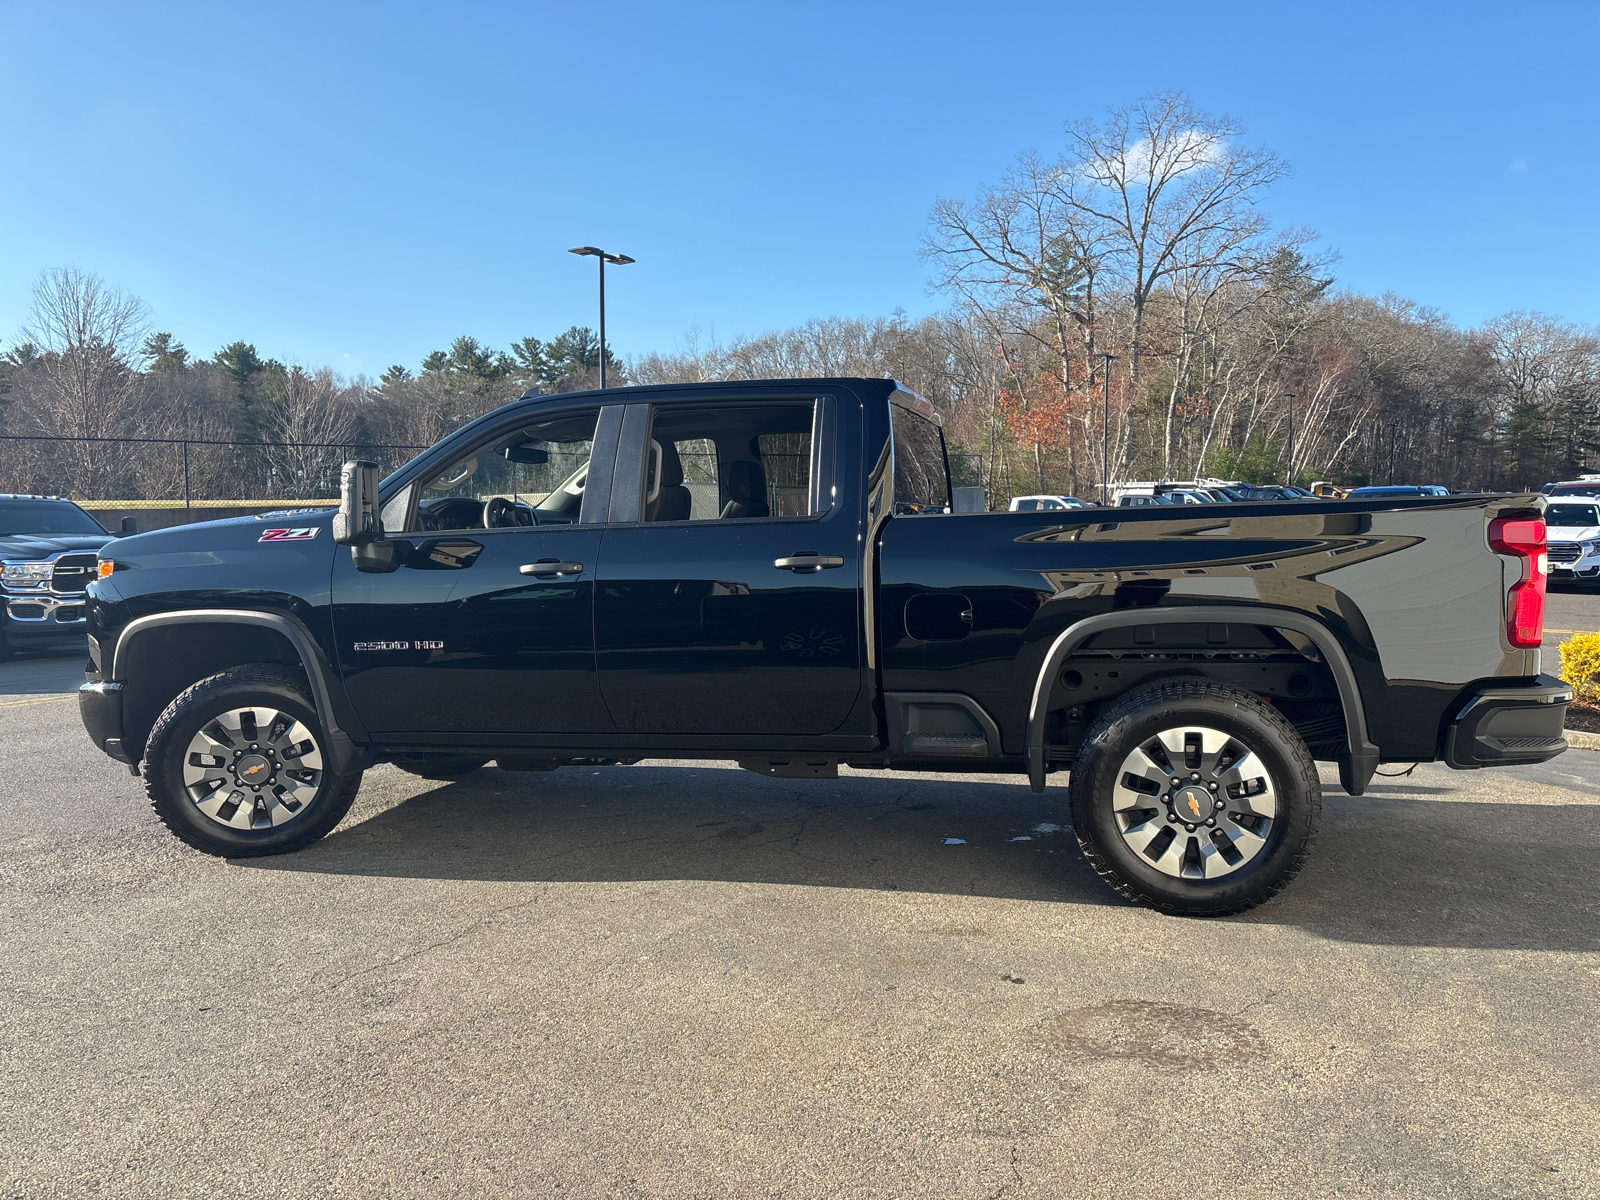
(769,572)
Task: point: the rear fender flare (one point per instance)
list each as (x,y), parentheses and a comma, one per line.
(1363,755)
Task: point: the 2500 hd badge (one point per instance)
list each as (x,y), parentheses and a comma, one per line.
(418,645)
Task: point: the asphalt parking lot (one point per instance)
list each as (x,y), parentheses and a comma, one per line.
(685,980)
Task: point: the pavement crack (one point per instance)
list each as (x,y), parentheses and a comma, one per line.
(1016,1179)
(431,946)
(1268,998)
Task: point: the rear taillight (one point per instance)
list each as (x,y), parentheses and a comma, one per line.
(1523,538)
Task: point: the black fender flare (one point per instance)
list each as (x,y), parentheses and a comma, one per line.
(347,757)
(1354,775)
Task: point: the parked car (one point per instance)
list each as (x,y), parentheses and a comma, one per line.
(1324,490)
(1574,538)
(48,551)
(1046,503)
(784,614)
(1395,492)
(1584,485)
(1142,499)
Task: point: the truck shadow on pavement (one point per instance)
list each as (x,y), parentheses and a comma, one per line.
(1391,869)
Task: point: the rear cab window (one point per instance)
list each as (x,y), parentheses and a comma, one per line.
(921,470)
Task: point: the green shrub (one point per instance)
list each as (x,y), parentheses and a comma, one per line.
(1580,664)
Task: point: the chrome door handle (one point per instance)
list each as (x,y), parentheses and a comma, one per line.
(551,566)
(807,561)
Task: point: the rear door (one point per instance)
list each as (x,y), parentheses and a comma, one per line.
(729,594)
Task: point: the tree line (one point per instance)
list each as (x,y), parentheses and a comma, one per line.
(1132,271)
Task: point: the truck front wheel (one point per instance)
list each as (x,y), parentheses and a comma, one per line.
(1194,798)
(236,765)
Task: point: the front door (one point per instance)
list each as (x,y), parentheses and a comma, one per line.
(728,602)
(487,627)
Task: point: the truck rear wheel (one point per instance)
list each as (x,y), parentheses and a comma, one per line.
(1195,798)
(236,765)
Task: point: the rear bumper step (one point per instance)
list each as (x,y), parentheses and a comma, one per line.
(1503,726)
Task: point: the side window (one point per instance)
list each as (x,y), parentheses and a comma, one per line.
(920,481)
(732,463)
(530,474)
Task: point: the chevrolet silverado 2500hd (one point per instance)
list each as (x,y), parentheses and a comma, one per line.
(768,572)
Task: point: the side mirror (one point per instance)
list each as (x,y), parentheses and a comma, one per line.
(357,522)
(130,526)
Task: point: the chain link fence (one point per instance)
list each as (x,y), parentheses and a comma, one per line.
(169,472)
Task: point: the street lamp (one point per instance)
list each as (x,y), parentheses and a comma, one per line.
(1289,396)
(1105,434)
(620,260)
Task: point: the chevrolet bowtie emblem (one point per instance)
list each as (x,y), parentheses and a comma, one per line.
(260,767)
(1194,806)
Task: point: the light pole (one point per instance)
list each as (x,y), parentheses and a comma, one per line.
(620,260)
(1105,434)
(1290,397)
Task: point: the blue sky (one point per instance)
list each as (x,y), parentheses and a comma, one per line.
(354,185)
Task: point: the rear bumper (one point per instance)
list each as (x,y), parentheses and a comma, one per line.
(1505,725)
(100,706)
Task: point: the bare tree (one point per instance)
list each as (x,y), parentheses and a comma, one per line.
(83,383)
(308,425)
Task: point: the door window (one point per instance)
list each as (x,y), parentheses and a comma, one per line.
(531,474)
(734,463)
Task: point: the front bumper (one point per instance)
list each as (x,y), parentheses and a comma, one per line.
(44,617)
(1502,726)
(100,706)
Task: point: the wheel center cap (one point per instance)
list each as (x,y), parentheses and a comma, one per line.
(1192,804)
(252,770)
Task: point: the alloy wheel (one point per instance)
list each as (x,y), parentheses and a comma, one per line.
(1194,802)
(252,768)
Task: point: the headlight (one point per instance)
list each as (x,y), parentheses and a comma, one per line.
(1591,547)
(27,574)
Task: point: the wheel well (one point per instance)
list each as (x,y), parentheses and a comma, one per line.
(1282,666)
(161,662)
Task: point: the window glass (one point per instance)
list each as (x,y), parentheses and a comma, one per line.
(1568,515)
(531,474)
(920,482)
(46,517)
(729,463)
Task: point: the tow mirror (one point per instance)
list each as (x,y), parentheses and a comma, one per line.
(359,523)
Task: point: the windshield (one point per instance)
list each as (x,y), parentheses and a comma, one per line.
(46,517)
(1572,515)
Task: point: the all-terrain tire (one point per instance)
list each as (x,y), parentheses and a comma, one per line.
(1180,880)
(321,800)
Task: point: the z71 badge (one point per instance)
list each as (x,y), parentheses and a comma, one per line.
(288,535)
